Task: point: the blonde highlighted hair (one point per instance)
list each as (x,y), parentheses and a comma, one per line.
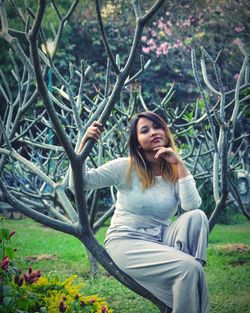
(137,160)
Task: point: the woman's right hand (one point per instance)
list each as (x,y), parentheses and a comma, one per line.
(94,131)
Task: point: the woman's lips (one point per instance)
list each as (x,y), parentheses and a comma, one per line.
(156,139)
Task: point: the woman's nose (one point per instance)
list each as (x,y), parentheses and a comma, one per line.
(153,132)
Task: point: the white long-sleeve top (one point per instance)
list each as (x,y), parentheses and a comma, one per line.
(142,213)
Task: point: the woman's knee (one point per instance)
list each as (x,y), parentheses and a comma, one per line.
(199,220)
(190,267)
(198,215)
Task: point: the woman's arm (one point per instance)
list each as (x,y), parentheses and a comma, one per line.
(172,157)
(187,191)
(188,194)
(106,175)
(94,131)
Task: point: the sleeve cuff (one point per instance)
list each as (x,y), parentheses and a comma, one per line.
(186,178)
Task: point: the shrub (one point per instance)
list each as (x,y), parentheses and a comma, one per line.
(31,292)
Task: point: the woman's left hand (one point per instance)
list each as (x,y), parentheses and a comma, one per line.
(168,154)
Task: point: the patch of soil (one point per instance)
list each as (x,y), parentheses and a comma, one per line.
(234,247)
(240,262)
(41,257)
(239,248)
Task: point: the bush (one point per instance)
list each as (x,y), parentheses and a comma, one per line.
(30,292)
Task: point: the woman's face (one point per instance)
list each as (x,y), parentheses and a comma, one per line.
(150,135)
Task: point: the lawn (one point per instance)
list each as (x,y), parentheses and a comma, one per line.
(228,268)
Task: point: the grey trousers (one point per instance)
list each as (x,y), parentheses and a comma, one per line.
(171,269)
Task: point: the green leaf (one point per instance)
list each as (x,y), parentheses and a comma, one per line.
(4,233)
(202,104)
(7,289)
(7,300)
(10,252)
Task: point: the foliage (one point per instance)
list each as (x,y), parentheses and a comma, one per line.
(30,292)
(18,8)
(186,26)
(226,270)
(111,15)
(176,29)
(167,41)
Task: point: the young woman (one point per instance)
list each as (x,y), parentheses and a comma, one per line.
(165,257)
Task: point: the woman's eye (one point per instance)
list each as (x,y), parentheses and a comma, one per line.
(144,130)
(157,126)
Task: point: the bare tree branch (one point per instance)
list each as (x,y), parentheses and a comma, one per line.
(104,38)
(41,84)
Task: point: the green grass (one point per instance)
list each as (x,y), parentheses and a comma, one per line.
(228,268)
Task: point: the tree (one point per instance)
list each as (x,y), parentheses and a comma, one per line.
(77,223)
(37,136)
(176,29)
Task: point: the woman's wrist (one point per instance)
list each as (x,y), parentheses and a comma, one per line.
(82,144)
(182,170)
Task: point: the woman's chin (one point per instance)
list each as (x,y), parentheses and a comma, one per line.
(159,144)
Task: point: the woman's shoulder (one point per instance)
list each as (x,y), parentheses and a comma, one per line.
(118,168)
(121,162)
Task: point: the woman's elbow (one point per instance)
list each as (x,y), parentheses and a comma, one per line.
(192,205)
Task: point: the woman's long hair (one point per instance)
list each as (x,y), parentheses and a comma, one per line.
(137,160)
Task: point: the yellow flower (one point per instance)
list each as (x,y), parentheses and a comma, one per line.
(42,281)
(108,11)
(52,291)
(161,34)
(199,35)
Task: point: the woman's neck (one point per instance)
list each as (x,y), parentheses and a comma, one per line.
(155,164)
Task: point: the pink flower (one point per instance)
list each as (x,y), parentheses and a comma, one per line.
(104,310)
(239,29)
(235,42)
(5,263)
(185,23)
(151,42)
(178,44)
(82,303)
(165,27)
(219,9)
(163,49)
(146,49)
(18,280)
(12,233)
(236,76)
(32,277)
(144,38)
(169,24)
(168,32)
(62,307)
